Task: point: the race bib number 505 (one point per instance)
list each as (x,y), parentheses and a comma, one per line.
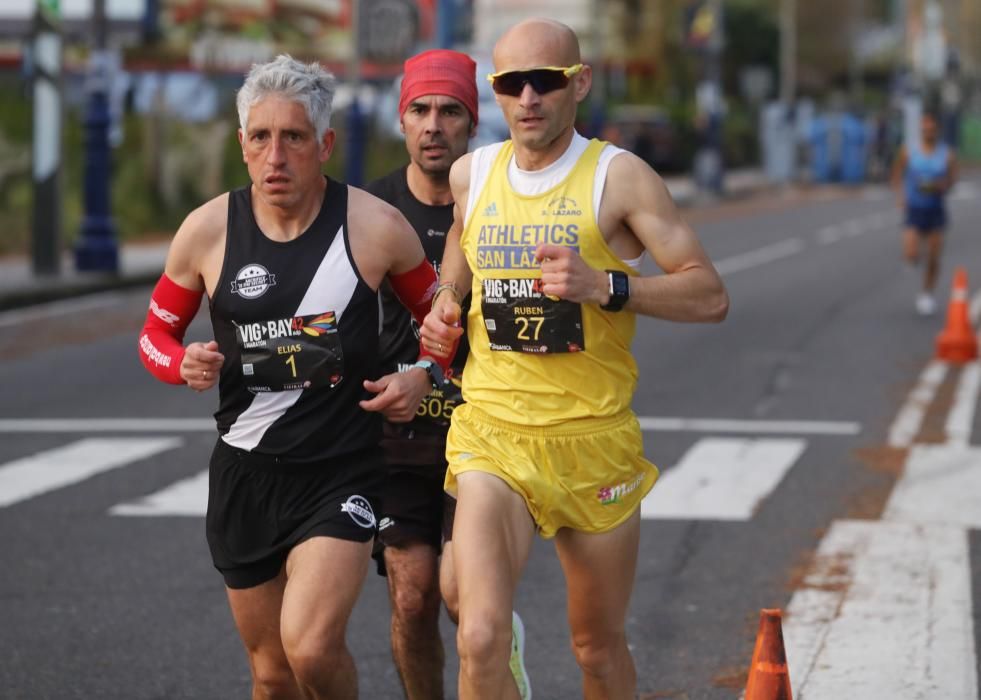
(520,318)
(301,352)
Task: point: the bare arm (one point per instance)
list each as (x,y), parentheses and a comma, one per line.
(454,268)
(384,244)
(637,213)
(442,327)
(193,264)
(896,180)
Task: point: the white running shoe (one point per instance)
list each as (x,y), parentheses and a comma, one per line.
(517,660)
(925,305)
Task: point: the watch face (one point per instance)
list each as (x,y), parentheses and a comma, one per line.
(619,290)
(620,285)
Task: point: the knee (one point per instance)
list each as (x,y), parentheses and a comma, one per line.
(451,598)
(598,657)
(271,680)
(416,603)
(309,655)
(483,644)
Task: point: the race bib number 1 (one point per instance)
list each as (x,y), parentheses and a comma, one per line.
(520,318)
(302,352)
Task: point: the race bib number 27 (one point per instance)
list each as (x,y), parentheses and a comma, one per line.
(520,318)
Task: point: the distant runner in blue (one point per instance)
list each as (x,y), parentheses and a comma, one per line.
(922,176)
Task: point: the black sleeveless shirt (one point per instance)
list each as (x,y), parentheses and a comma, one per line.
(298,327)
(400,334)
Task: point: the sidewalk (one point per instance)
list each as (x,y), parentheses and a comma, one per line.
(142,263)
(139,264)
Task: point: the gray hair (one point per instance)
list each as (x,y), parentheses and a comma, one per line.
(307,83)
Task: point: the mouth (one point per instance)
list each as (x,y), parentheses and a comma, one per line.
(530,120)
(434,150)
(277,182)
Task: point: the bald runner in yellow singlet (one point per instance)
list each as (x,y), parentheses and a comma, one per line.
(549,230)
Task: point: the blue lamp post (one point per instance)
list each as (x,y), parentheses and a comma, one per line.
(97,249)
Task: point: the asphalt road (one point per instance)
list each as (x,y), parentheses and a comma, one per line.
(803,381)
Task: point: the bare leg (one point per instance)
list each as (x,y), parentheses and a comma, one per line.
(934,244)
(911,246)
(597,605)
(447,583)
(256,613)
(492,534)
(323,579)
(413,586)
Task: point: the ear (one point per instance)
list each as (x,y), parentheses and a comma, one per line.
(582,82)
(241,142)
(327,145)
(402,124)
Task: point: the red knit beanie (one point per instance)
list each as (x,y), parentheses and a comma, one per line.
(440,72)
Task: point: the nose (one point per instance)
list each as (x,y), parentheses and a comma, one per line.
(432,122)
(276,155)
(528,96)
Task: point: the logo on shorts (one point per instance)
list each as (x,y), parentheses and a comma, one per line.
(611,495)
(360,511)
(252,281)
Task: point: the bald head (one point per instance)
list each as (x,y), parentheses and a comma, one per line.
(536,42)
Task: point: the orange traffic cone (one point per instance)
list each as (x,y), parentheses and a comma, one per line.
(768,675)
(957,342)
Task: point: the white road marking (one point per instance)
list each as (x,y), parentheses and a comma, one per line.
(975,309)
(854,227)
(941,484)
(829,234)
(107,425)
(760,256)
(876,221)
(907,422)
(755,427)
(960,418)
(207,425)
(721,479)
(885,613)
(187,497)
(52,469)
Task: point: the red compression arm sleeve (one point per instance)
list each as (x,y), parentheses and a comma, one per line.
(171,309)
(415,290)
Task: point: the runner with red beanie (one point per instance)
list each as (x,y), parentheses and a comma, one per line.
(438,115)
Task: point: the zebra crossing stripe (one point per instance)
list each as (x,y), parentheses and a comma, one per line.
(721,479)
(53,469)
(187,497)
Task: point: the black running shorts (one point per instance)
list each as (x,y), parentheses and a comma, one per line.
(414,507)
(259,508)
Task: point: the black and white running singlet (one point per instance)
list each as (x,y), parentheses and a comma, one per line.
(298,327)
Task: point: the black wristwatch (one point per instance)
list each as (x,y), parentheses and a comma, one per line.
(619,290)
(434,371)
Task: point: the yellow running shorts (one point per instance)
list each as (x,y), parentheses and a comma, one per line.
(589,474)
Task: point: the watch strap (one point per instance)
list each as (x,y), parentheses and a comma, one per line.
(619,290)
